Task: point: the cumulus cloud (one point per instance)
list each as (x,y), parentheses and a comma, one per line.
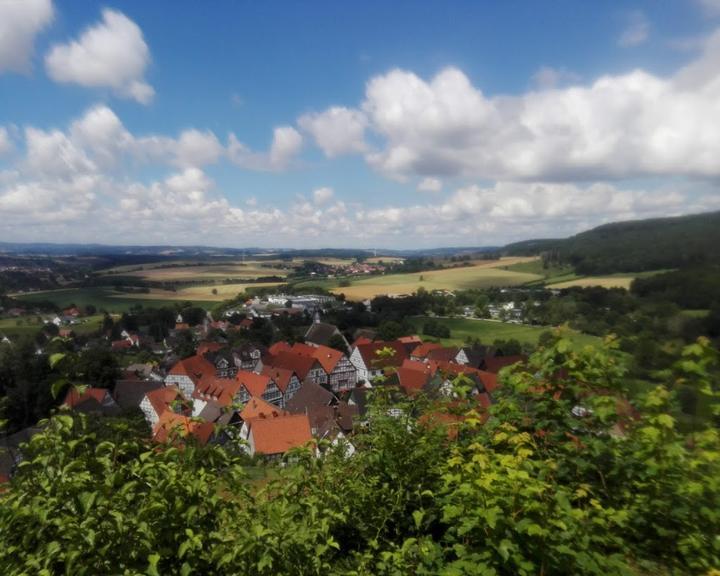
(286,144)
(337,130)
(430,185)
(111,54)
(630,125)
(637,30)
(20,22)
(322,195)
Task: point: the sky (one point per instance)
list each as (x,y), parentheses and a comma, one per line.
(370,124)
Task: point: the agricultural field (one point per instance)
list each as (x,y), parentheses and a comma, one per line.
(489,330)
(602,281)
(485,274)
(208,293)
(29,325)
(105,299)
(384,260)
(188,272)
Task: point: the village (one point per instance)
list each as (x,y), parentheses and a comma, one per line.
(285,396)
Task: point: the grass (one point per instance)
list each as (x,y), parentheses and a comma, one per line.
(485,274)
(209,293)
(29,325)
(185,272)
(619,280)
(105,299)
(488,331)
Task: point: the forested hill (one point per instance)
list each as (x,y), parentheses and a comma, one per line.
(636,245)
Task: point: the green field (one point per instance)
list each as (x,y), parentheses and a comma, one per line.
(193,272)
(103,299)
(29,325)
(488,331)
(485,274)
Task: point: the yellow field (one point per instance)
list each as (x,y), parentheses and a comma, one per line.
(486,274)
(203,272)
(602,281)
(224,292)
(385,260)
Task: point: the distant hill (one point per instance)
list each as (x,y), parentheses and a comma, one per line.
(634,246)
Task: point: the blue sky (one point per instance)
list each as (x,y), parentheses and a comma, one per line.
(391,124)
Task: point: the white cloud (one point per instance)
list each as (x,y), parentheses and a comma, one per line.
(111,54)
(631,125)
(322,195)
(20,22)
(195,148)
(286,144)
(337,130)
(637,30)
(430,185)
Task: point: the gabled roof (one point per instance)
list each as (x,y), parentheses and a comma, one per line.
(221,390)
(425,367)
(161,398)
(279,347)
(371,359)
(129,393)
(281,376)
(422,350)
(278,435)
(257,408)
(327,357)
(73,398)
(321,333)
(412,381)
(443,354)
(308,396)
(195,367)
(298,363)
(255,384)
(173,427)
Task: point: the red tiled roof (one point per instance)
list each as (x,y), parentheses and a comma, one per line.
(255,384)
(195,367)
(299,364)
(73,398)
(362,340)
(410,339)
(443,354)
(427,367)
(221,390)
(161,398)
(120,344)
(369,354)
(279,347)
(412,381)
(258,408)
(278,435)
(172,427)
(281,376)
(327,357)
(424,349)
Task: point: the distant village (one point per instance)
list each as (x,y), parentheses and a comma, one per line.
(272,399)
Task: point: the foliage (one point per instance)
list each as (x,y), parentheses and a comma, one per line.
(566,477)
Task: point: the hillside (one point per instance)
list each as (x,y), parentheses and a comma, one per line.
(634,246)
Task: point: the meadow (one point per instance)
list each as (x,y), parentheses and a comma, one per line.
(107,299)
(29,325)
(191,272)
(490,330)
(483,274)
